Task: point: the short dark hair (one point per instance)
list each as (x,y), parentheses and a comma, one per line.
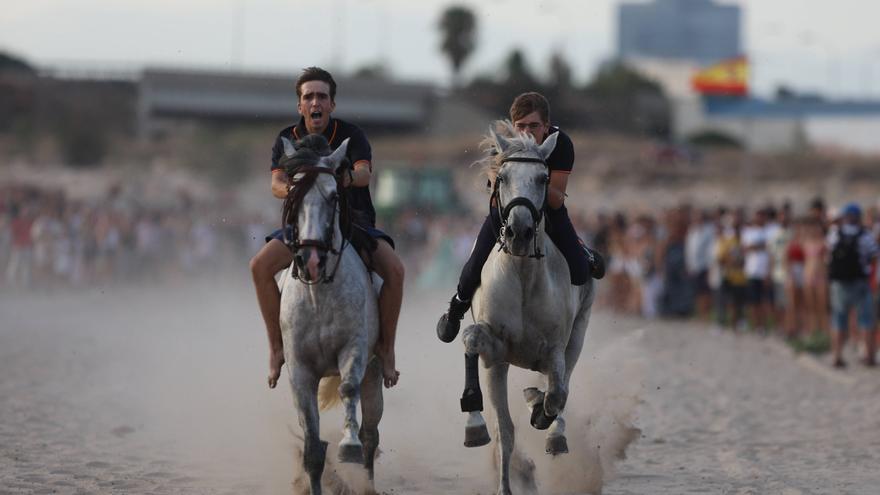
(315,74)
(527,103)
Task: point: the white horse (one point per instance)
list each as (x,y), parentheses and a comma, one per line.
(526,310)
(329,320)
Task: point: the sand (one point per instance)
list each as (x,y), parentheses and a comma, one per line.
(162,390)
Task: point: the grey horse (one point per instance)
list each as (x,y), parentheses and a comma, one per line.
(527,312)
(329,322)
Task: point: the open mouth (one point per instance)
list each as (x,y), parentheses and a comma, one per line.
(316,115)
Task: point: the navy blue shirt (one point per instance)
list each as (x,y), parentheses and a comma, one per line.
(359,149)
(562,157)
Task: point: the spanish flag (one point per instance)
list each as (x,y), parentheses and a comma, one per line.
(728,78)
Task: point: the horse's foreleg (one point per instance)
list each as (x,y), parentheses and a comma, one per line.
(477,341)
(305,393)
(371,408)
(557,387)
(505,434)
(351,369)
(556,443)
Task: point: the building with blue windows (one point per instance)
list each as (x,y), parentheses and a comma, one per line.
(701,31)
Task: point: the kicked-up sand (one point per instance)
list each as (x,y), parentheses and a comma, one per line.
(162,390)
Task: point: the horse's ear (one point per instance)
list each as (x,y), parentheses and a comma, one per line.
(548,146)
(289,149)
(501,143)
(338,156)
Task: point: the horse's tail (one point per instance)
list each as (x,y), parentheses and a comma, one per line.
(328,392)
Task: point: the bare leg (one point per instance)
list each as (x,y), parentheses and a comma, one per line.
(305,394)
(505,433)
(273,258)
(390,268)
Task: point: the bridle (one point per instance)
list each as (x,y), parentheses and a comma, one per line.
(504,210)
(289,213)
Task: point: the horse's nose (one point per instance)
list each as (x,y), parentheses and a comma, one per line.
(322,259)
(523,233)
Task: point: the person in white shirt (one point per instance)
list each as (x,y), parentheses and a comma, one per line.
(698,257)
(759,293)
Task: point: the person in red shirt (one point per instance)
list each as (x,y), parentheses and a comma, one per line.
(18,270)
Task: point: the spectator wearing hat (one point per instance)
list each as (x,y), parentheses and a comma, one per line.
(852,249)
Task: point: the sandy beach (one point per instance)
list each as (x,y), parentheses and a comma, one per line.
(162,391)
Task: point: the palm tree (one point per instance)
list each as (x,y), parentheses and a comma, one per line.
(458,26)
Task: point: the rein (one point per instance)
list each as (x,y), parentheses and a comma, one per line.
(503,211)
(290,211)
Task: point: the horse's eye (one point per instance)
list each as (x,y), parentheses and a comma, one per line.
(544,179)
(500,179)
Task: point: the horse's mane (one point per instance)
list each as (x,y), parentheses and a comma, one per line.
(519,142)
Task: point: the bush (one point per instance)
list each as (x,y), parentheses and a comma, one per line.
(714,139)
(815,343)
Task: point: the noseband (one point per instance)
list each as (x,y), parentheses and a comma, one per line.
(504,210)
(289,213)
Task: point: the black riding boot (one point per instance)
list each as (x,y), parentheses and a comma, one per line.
(450,322)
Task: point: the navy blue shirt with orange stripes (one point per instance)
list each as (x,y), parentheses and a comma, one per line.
(359,149)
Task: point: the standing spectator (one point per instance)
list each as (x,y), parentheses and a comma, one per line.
(794,281)
(619,264)
(678,295)
(815,276)
(853,248)
(18,269)
(817,211)
(778,237)
(731,259)
(715,274)
(698,255)
(757,269)
(647,252)
(5,233)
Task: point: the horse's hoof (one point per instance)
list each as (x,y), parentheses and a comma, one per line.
(556,445)
(477,436)
(535,400)
(475,432)
(351,453)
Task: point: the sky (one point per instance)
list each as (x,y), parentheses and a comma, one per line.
(830,47)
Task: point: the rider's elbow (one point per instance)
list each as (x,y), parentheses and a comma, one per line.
(396,273)
(555,202)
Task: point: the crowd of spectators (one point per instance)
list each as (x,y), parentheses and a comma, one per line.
(50,241)
(765,269)
(769,269)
